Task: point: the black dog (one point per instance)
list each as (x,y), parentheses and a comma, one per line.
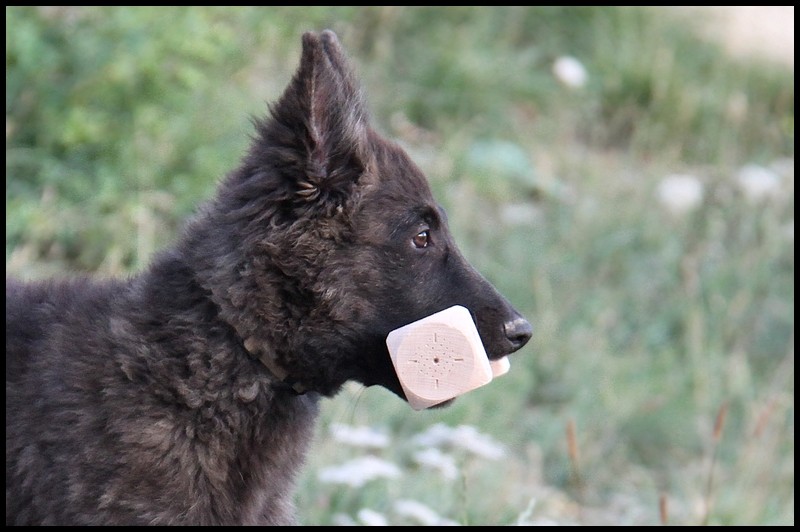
(188,394)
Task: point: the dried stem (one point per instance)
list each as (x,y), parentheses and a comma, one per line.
(716,437)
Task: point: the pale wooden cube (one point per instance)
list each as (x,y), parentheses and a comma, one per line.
(440,357)
(500,366)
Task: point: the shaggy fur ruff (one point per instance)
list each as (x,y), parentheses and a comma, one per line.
(188,393)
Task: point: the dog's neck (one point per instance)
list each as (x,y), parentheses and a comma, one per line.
(269,360)
(167,266)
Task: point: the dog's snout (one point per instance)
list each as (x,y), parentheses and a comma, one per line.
(518,332)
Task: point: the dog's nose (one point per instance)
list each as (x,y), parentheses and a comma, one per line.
(518,331)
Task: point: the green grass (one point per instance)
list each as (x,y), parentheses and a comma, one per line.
(120,120)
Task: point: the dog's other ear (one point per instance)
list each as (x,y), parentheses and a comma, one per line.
(317,133)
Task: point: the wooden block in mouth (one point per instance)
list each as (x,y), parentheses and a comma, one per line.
(441,357)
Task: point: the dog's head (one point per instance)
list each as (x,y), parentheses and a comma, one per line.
(335,238)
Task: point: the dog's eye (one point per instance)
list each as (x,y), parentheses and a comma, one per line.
(421,239)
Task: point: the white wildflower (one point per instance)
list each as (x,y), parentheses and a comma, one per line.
(438,434)
(758,182)
(434,458)
(464,436)
(372,518)
(680,193)
(473,441)
(361,436)
(570,72)
(421,513)
(341,519)
(359,471)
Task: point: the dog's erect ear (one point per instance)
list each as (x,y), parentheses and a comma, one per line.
(319,125)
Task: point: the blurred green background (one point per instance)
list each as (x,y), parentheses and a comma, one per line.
(625,181)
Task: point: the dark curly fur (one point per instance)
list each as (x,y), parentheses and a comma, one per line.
(188,394)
